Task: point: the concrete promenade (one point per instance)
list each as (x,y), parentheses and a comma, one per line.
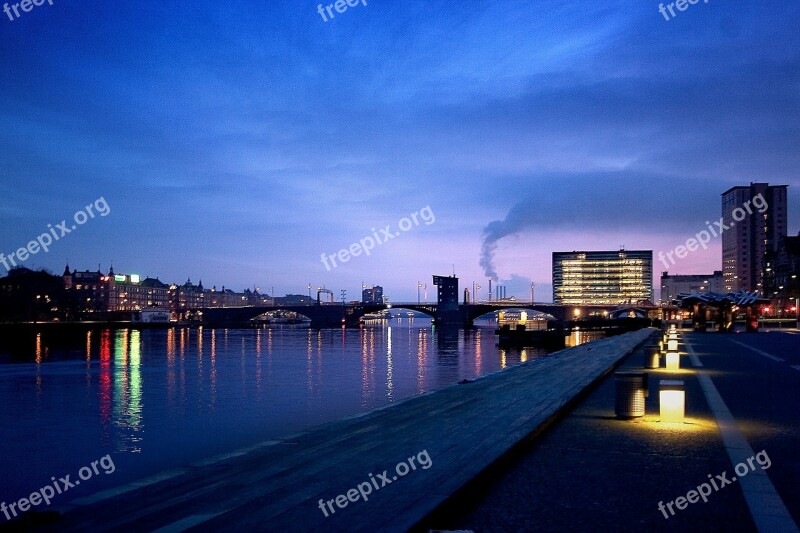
(458,432)
(590,471)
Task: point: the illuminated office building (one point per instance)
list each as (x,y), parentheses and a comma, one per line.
(603,277)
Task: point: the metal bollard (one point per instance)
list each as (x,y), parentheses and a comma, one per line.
(629,394)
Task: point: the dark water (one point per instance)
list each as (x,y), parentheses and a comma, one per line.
(157,399)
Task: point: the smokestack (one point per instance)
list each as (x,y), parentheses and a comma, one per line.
(490,288)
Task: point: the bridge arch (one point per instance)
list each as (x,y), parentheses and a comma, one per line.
(477,310)
(277,310)
(528,309)
(428,310)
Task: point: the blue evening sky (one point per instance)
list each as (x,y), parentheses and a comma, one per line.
(237,142)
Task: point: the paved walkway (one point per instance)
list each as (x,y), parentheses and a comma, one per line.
(591,471)
(456,432)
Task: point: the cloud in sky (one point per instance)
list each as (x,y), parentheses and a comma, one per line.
(252,138)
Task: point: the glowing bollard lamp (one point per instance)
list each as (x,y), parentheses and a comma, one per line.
(672,401)
(673,361)
(672,345)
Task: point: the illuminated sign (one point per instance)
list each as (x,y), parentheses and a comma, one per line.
(119,279)
(135,278)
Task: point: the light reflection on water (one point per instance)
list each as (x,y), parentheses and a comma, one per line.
(157,399)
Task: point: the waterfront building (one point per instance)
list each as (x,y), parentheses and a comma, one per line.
(157,293)
(128,292)
(447,297)
(373,295)
(225,298)
(27,295)
(87,291)
(756,219)
(673,285)
(186,296)
(603,277)
(781,281)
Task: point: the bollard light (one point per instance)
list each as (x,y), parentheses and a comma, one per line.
(660,346)
(672,345)
(672,401)
(673,361)
(653,359)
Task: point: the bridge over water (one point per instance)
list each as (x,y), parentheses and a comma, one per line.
(446,310)
(349,315)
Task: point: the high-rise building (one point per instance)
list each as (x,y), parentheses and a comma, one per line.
(756,221)
(603,277)
(782,275)
(675,284)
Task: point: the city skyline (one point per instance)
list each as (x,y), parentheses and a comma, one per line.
(516,282)
(265,139)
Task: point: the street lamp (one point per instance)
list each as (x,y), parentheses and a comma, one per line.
(344,292)
(309,292)
(533,286)
(425,288)
(419,286)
